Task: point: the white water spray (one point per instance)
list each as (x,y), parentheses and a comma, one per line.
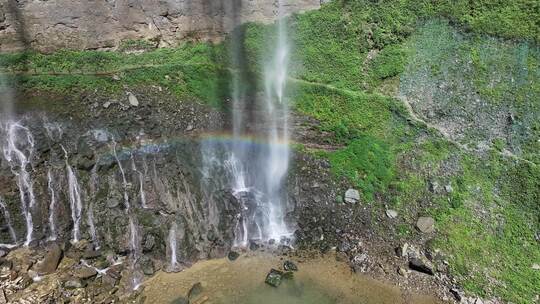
(75,200)
(18,149)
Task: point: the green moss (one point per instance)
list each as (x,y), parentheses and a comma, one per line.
(367,162)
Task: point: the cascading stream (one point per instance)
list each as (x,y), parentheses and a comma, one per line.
(18,149)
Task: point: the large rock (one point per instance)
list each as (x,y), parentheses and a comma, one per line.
(420,266)
(133,101)
(274,278)
(52,258)
(352,196)
(84,273)
(426,224)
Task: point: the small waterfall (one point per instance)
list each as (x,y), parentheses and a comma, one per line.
(140,175)
(172,245)
(18,150)
(75,200)
(52,206)
(7,217)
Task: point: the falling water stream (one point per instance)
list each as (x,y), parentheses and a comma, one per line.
(258,171)
(75,199)
(18,148)
(52,206)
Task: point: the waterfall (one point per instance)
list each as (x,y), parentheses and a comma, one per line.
(7,217)
(172,245)
(277,162)
(18,149)
(75,200)
(52,206)
(258,172)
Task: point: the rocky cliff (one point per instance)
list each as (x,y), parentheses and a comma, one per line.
(104,24)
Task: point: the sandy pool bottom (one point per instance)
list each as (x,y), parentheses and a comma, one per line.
(320,280)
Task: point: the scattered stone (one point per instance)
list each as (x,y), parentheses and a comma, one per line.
(73,283)
(254,245)
(195,291)
(116,77)
(133,101)
(360,263)
(112,203)
(3,253)
(458,295)
(352,196)
(420,266)
(149,243)
(190,128)
(274,277)
(85,273)
(106,105)
(448,188)
(535,266)
(403,272)
(290,266)
(147,266)
(426,224)
(233,255)
(391,213)
(433,186)
(51,260)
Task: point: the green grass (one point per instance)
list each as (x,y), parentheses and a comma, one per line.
(193,70)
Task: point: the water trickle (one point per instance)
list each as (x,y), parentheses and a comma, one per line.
(7,217)
(52,206)
(135,252)
(140,175)
(75,200)
(122,173)
(18,149)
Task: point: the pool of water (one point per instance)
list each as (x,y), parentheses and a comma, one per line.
(320,280)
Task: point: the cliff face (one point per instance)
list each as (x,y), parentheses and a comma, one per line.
(102,24)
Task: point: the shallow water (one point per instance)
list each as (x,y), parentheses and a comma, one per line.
(321,280)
